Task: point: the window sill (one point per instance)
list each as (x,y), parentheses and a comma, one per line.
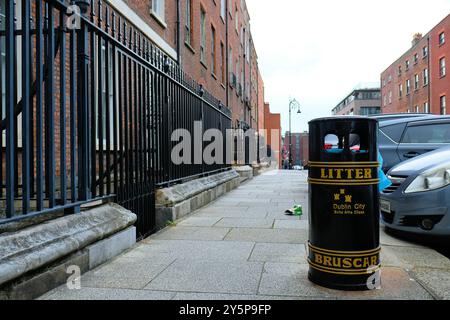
(158,19)
(189,47)
(223,85)
(442,77)
(203,63)
(213,75)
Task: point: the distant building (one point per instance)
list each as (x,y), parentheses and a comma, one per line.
(361,102)
(417,82)
(300,149)
(272,123)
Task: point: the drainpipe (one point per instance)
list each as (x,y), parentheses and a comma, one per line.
(178,32)
(227,84)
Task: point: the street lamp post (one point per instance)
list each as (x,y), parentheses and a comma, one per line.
(293,104)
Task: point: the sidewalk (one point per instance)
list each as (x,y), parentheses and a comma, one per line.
(243,247)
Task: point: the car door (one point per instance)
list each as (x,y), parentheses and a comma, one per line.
(388,139)
(422,137)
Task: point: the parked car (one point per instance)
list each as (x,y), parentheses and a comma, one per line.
(405,138)
(394,116)
(418,201)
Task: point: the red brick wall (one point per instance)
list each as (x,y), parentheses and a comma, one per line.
(390,81)
(168,30)
(273,122)
(437,86)
(440,86)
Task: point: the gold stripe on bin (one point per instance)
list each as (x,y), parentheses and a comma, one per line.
(343,182)
(344,253)
(334,164)
(342,272)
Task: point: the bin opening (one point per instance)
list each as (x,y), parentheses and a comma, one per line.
(333,143)
(337,144)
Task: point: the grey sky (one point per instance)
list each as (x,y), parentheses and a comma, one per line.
(318,51)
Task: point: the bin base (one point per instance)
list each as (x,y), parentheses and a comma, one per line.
(358,283)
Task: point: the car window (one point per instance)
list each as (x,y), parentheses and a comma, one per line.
(436,133)
(394,131)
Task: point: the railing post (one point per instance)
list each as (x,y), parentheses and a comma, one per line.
(83,112)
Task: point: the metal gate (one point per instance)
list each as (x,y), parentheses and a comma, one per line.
(87,106)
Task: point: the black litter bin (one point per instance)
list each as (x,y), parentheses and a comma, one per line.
(344,239)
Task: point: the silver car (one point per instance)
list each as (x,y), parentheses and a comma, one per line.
(419,199)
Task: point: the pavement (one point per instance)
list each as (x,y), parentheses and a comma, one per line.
(243,247)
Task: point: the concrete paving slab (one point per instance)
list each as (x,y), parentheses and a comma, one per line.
(233,297)
(212,277)
(107,294)
(224,213)
(412,257)
(223,251)
(279,252)
(192,233)
(126,273)
(199,222)
(291,280)
(291,224)
(435,280)
(245,223)
(267,235)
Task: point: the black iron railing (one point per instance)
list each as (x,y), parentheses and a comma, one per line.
(87,112)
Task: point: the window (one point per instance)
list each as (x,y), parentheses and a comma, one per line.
(213,50)
(400,90)
(407,64)
(408,86)
(390,97)
(443,104)
(399,70)
(436,133)
(416,58)
(426,107)
(441,38)
(222,9)
(158,8)
(425,77)
(367,111)
(425,51)
(202,35)
(417,109)
(416,82)
(394,132)
(385,101)
(188,34)
(222,61)
(442,70)
(390,78)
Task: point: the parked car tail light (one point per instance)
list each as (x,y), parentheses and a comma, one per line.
(433,179)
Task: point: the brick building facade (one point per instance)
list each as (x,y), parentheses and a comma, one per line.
(417,81)
(300,149)
(211,40)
